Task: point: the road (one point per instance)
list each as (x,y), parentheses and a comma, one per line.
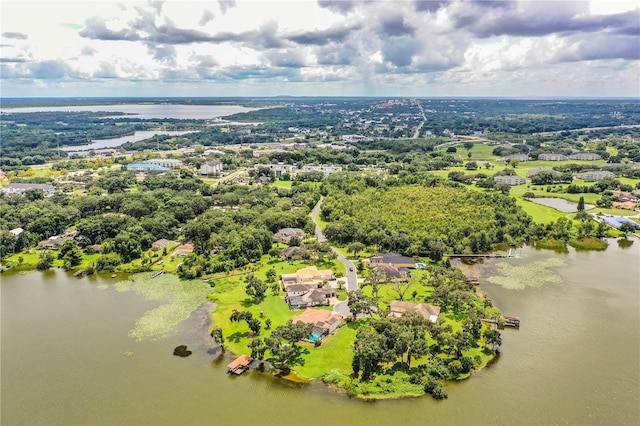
(416,135)
(352,278)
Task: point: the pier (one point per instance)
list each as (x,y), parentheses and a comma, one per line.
(511,253)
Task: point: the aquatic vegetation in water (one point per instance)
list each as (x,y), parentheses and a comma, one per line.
(182,298)
(182,351)
(535,274)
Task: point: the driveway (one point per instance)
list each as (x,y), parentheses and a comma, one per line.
(352,278)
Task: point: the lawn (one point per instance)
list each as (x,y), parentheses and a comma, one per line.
(229,295)
(539,213)
(282,184)
(333,354)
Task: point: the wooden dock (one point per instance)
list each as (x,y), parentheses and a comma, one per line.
(472,280)
(508,321)
(491,255)
(239,365)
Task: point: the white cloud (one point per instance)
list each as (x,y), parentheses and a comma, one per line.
(352,47)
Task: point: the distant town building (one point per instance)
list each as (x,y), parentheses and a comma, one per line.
(211,167)
(170,163)
(510,180)
(326,170)
(354,138)
(21,188)
(589,156)
(552,157)
(146,167)
(279,169)
(594,175)
(519,157)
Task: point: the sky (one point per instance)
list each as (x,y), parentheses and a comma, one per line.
(543,48)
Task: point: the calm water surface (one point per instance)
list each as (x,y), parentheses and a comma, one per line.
(115,142)
(67,359)
(560,204)
(147,111)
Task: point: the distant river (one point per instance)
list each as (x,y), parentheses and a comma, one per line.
(67,358)
(148,111)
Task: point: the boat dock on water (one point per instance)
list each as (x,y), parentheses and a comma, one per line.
(239,365)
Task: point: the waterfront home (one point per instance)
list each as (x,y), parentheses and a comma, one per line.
(429,312)
(324,322)
(160,244)
(53,243)
(392,259)
(184,250)
(392,272)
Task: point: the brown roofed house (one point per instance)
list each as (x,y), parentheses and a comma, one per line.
(160,244)
(429,312)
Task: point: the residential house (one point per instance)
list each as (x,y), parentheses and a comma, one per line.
(309,275)
(392,259)
(53,243)
(184,250)
(301,296)
(429,312)
(392,272)
(21,188)
(16,232)
(211,167)
(324,322)
(284,235)
(293,253)
(160,244)
(510,179)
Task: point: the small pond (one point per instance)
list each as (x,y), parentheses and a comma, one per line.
(560,204)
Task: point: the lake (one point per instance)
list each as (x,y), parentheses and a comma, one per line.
(67,357)
(147,111)
(115,142)
(560,204)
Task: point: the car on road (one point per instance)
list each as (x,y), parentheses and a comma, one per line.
(350,269)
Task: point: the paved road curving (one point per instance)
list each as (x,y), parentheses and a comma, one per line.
(352,278)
